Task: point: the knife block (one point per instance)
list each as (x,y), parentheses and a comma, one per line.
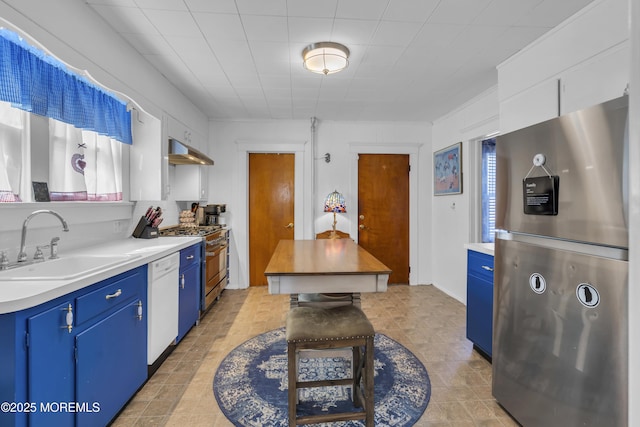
(144,231)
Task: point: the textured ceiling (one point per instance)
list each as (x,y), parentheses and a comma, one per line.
(410,60)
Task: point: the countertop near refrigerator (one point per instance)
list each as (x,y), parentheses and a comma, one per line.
(22,294)
(485,248)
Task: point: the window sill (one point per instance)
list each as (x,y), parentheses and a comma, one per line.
(50,205)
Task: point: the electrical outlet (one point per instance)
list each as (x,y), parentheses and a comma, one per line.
(118,226)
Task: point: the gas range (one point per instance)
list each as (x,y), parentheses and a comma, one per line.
(201,230)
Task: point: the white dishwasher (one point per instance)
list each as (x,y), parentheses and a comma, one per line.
(162,305)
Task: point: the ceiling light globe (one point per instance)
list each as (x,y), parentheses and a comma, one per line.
(325,57)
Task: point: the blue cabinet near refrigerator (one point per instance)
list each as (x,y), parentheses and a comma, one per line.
(76,360)
(480,300)
(189,289)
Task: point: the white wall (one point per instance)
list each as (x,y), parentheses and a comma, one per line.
(227,184)
(453,216)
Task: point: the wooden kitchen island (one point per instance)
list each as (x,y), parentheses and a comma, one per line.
(324,266)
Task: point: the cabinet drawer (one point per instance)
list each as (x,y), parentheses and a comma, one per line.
(112,294)
(480,265)
(189,256)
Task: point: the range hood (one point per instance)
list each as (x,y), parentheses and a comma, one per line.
(182,154)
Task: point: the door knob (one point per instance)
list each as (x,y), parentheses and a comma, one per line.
(290,225)
(362,217)
(362,227)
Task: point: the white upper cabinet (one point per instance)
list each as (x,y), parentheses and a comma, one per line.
(177,130)
(569,68)
(148,160)
(603,78)
(190,183)
(532,106)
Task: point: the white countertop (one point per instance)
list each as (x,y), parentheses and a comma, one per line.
(19,295)
(485,248)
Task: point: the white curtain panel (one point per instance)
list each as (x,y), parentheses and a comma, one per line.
(83,165)
(11,128)
(104,177)
(66,162)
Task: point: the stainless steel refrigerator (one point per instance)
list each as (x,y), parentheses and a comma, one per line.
(561,270)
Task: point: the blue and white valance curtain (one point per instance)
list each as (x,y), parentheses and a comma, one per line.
(38,83)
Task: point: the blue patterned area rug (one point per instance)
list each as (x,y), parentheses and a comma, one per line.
(251,384)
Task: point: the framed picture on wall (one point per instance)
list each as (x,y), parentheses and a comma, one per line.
(447,170)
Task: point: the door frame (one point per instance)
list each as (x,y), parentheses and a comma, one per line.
(413,150)
(302,195)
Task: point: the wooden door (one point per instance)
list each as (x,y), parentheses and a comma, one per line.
(271,208)
(383,210)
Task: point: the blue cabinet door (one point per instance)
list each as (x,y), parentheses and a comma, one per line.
(189,299)
(51,375)
(111,364)
(480,313)
(480,300)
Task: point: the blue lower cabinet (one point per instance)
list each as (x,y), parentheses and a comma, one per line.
(75,360)
(480,300)
(51,378)
(111,364)
(189,287)
(189,300)
(480,313)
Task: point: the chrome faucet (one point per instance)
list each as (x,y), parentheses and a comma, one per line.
(22,256)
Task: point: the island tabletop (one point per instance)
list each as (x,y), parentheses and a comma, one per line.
(324,266)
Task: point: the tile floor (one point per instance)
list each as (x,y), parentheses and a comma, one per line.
(422,318)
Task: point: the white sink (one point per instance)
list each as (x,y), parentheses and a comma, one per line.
(65,267)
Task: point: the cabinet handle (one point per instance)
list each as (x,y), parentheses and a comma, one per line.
(486,267)
(139,310)
(182,281)
(116,294)
(69,318)
(191,257)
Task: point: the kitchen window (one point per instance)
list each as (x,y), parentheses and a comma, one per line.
(82,165)
(82,159)
(488,195)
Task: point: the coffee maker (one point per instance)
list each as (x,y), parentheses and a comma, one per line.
(212,214)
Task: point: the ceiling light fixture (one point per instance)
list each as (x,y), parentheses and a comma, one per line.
(325,57)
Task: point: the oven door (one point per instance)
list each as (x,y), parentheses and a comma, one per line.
(215,274)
